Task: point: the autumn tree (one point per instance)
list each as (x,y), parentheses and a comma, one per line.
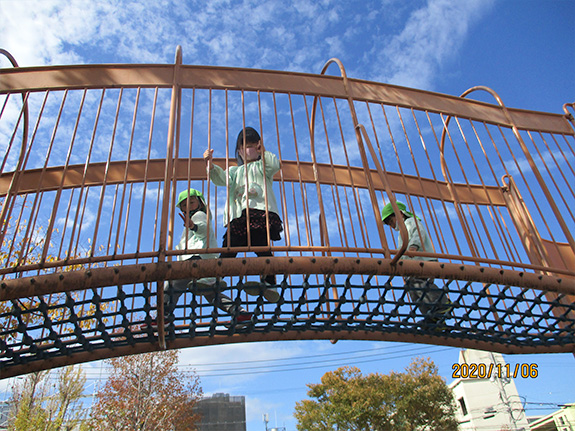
(147,392)
(38,404)
(416,400)
(22,246)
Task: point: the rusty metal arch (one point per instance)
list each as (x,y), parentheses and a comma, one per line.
(335,262)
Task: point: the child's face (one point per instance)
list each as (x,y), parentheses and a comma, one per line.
(251,151)
(190,204)
(391,221)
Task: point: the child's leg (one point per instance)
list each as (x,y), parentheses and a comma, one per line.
(223,302)
(260,238)
(173,289)
(415,288)
(218,299)
(428,296)
(257,239)
(235,241)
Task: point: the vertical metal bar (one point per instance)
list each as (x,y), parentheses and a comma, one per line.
(8,204)
(30,230)
(228,195)
(113,215)
(335,187)
(67,253)
(65,170)
(282,186)
(146,172)
(24,114)
(106,172)
(324,234)
(246,181)
(353,184)
(380,171)
(411,151)
(493,248)
(169,167)
(175,113)
(550,174)
(125,179)
(267,213)
(300,180)
(207,182)
(447,175)
(83,183)
(365,163)
(438,232)
(522,174)
(532,165)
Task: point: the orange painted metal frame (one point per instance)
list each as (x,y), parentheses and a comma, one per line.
(472,221)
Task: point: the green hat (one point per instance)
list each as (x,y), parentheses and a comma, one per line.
(187,193)
(388,210)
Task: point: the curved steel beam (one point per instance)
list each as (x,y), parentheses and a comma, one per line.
(159,271)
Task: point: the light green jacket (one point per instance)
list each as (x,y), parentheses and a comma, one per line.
(255,186)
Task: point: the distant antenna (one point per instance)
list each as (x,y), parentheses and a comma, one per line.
(266,421)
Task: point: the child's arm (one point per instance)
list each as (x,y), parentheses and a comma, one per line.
(271,161)
(217,174)
(208,157)
(188,222)
(200,222)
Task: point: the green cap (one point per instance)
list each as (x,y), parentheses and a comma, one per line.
(187,193)
(388,210)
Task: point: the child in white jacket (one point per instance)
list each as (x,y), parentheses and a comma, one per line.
(431,300)
(250,186)
(196,236)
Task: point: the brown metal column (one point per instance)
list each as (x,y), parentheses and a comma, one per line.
(175,110)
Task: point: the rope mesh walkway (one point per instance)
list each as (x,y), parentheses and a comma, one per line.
(518,317)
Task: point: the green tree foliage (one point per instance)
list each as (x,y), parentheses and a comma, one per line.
(38,404)
(415,400)
(147,392)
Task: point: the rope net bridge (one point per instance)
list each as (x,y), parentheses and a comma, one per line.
(94,157)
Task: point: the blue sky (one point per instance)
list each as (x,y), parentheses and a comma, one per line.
(523,49)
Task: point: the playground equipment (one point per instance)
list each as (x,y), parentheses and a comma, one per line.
(95,156)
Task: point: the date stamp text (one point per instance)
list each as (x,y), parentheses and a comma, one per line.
(488,371)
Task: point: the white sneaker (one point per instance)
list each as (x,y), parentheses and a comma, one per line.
(271,294)
(256,288)
(252,288)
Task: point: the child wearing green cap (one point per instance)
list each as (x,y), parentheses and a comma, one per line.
(431,300)
(196,235)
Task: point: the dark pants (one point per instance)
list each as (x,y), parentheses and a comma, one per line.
(427,296)
(258,237)
(173,289)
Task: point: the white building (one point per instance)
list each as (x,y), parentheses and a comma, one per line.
(486,397)
(561,420)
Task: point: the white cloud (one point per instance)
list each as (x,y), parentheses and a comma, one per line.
(431,36)
(218,361)
(378,39)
